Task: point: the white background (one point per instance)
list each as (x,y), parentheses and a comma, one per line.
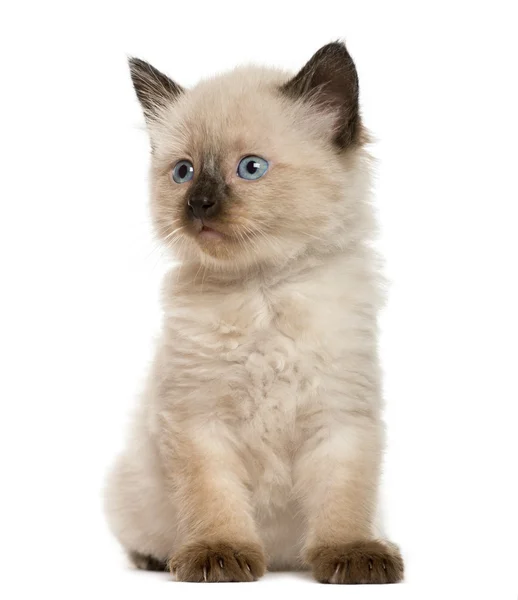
(80,274)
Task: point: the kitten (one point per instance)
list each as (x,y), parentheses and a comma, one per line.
(259,438)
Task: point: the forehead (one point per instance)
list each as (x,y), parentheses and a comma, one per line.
(239,112)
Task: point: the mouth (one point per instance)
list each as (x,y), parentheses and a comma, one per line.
(209,233)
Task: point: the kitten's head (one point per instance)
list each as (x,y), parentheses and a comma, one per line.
(255,166)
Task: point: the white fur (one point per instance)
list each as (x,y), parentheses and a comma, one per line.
(261,418)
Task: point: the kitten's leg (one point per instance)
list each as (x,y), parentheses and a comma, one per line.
(337,475)
(219,541)
(137,506)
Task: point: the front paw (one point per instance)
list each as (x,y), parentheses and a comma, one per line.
(218,561)
(357,562)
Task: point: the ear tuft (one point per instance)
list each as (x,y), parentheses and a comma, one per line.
(330,81)
(154,89)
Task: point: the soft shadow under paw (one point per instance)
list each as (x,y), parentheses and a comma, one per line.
(218,561)
(357,562)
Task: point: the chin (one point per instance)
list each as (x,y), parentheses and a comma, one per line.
(210,250)
(234,252)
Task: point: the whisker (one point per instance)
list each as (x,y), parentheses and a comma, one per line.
(173,233)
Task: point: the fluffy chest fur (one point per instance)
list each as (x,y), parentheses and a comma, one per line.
(266,360)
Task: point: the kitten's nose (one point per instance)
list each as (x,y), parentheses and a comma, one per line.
(201,206)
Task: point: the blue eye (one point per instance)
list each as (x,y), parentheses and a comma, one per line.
(183,171)
(252,167)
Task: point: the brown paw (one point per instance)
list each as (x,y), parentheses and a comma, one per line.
(218,561)
(147,562)
(357,562)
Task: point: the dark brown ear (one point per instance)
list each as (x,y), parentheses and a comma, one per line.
(154,89)
(330,81)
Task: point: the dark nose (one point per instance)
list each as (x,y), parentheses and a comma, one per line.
(201,206)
